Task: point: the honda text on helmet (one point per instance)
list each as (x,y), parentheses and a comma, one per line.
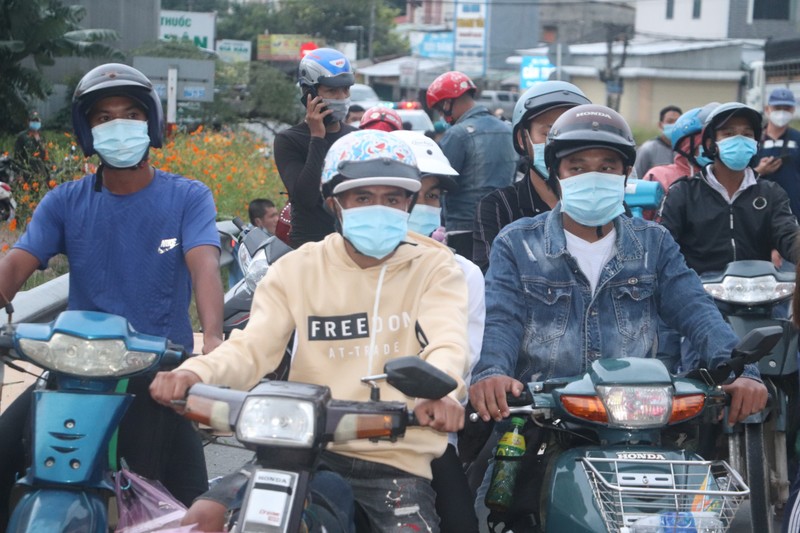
(381,118)
(445,89)
(592,198)
(120,143)
(329,68)
(541,98)
(739,145)
(369,158)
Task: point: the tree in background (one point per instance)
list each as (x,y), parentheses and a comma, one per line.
(33,33)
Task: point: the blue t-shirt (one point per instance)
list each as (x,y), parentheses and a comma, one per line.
(788,176)
(126,252)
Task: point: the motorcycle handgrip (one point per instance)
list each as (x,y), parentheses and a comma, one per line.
(214,406)
(524,399)
(174,355)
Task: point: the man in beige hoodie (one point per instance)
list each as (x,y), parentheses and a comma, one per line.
(366,294)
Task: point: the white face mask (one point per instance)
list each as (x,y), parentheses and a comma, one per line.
(780,118)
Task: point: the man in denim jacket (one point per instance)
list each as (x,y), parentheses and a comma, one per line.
(478,147)
(584,282)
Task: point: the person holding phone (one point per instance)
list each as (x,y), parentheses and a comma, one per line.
(325,77)
(779,156)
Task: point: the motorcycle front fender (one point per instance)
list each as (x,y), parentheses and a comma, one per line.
(59,510)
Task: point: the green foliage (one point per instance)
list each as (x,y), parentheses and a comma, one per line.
(41,31)
(178,49)
(325,20)
(196,5)
(272,95)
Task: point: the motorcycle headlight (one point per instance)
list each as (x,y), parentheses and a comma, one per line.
(637,407)
(763,289)
(82,357)
(256,270)
(287,422)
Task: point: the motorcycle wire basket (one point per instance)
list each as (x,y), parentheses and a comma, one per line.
(662,496)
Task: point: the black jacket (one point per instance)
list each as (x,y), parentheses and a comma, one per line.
(711,233)
(500,208)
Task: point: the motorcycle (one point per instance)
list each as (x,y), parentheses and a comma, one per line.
(7,203)
(7,174)
(257,250)
(617,431)
(289,424)
(752,294)
(86,353)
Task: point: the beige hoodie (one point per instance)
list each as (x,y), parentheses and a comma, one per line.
(321,292)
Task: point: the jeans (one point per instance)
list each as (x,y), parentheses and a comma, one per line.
(394,501)
(155,441)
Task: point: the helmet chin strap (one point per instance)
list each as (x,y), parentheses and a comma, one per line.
(98,181)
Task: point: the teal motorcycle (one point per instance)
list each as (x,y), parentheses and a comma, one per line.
(615,442)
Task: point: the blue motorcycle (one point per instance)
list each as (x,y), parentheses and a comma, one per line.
(69,483)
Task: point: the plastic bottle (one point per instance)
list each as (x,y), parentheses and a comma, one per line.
(506,467)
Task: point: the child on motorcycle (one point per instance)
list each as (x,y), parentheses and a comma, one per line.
(365,294)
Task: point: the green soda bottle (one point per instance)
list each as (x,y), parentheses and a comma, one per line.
(506,467)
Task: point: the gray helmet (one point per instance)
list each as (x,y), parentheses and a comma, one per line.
(720,115)
(589,126)
(540,98)
(115,79)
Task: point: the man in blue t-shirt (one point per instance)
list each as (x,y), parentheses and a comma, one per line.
(137,240)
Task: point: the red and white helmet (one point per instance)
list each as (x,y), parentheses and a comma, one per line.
(381,118)
(448,86)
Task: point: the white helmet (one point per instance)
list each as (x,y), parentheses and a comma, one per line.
(430,158)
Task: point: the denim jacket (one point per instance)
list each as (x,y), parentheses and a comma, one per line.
(479,147)
(542,320)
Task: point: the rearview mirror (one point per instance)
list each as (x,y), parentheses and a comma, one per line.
(757,343)
(414,377)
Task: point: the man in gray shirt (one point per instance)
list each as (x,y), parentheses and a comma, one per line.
(658,151)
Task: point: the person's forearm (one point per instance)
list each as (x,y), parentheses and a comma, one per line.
(209,301)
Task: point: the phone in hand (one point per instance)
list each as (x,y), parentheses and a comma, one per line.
(309,94)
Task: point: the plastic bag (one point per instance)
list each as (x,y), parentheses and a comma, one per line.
(145,505)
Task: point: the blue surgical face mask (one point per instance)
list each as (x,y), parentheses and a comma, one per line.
(35,125)
(593,198)
(375,230)
(702,160)
(736,152)
(538,160)
(424,219)
(668,129)
(538,156)
(121,143)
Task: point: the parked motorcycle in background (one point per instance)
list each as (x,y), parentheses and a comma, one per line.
(257,250)
(613,439)
(753,294)
(7,174)
(7,203)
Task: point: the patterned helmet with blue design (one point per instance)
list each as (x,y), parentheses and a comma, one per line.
(369,157)
(325,66)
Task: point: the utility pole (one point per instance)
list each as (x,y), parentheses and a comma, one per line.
(371,35)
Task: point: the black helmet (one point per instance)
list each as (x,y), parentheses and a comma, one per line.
(115,79)
(719,116)
(540,98)
(589,126)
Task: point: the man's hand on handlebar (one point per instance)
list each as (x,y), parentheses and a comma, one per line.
(488,396)
(169,386)
(444,415)
(748,397)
